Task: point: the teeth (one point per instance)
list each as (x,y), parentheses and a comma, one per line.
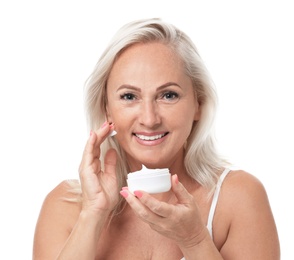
(150,138)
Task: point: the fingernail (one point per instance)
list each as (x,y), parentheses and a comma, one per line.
(125,188)
(124,193)
(91,132)
(138,194)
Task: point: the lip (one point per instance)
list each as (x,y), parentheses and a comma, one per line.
(150,142)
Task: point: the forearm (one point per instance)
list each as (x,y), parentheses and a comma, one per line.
(82,242)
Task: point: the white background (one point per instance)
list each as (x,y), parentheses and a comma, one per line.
(49,48)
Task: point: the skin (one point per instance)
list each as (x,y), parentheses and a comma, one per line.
(143,103)
(150,98)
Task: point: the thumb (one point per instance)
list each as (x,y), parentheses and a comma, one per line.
(183,196)
(110,162)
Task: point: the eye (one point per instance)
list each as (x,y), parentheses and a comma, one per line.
(128,96)
(170,96)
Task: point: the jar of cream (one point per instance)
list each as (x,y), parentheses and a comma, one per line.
(149,180)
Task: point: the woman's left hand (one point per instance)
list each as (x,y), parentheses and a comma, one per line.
(180,221)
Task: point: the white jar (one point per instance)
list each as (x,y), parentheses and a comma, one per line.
(150,180)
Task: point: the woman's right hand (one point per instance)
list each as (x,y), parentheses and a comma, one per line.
(99,187)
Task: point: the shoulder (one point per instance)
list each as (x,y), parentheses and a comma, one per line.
(65,196)
(242,186)
(67,190)
(244,214)
(243,193)
(61,206)
(237,179)
(57,218)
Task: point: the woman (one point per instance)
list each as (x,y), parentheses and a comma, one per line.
(151,86)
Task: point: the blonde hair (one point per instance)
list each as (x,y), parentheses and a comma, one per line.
(202,161)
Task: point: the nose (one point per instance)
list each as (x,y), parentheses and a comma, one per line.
(149,114)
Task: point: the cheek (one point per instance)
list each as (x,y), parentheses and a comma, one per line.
(181,115)
(120,113)
(183,120)
(114,112)
(121,117)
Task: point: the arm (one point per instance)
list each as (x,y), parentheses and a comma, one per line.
(68,231)
(252,233)
(83,240)
(249,232)
(62,226)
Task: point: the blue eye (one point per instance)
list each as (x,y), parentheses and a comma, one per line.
(128,96)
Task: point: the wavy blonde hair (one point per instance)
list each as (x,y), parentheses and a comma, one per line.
(202,160)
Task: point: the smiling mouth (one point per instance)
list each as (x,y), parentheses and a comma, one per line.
(150,138)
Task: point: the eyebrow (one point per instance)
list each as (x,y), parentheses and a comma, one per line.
(139,90)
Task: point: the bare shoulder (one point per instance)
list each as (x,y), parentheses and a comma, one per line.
(243,185)
(57,217)
(248,216)
(244,197)
(64,191)
(62,196)
(62,203)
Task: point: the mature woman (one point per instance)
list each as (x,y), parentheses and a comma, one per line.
(151,86)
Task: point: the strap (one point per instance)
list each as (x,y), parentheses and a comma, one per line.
(215,199)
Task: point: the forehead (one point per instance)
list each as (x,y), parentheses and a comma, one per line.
(149,59)
(150,48)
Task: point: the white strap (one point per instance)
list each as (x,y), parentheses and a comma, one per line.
(215,199)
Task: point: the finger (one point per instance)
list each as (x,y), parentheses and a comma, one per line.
(152,215)
(159,208)
(107,177)
(139,208)
(103,132)
(92,148)
(110,162)
(183,196)
(88,150)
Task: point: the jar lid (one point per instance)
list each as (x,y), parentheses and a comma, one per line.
(145,172)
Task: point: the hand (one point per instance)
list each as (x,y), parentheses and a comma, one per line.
(180,221)
(99,188)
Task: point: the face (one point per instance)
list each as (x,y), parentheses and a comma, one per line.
(153,105)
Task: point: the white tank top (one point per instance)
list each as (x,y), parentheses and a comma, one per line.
(214,202)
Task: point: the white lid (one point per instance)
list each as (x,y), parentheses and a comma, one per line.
(145,172)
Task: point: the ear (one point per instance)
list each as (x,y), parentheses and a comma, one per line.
(197,111)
